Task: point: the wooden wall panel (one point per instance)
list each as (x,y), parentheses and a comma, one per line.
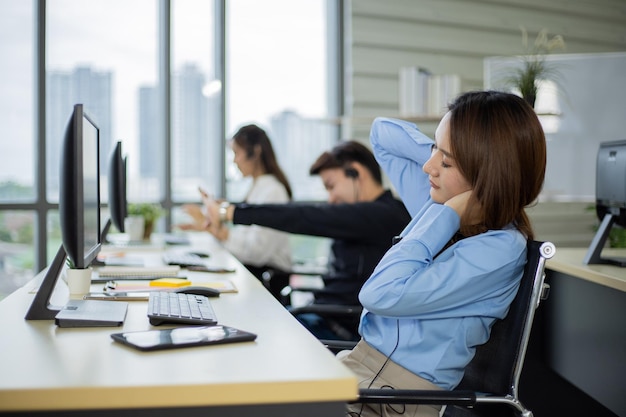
(454,36)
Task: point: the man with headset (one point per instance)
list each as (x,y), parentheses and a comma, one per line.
(361,218)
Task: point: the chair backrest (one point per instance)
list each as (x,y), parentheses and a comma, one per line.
(497,365)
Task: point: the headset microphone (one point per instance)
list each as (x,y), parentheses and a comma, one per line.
(354,174)
(351,173)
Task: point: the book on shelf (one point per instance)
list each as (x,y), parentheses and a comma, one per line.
(422,93)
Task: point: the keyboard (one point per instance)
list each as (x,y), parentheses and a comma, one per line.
(171,307)
(182,259)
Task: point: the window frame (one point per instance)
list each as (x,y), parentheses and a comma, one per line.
(42,207)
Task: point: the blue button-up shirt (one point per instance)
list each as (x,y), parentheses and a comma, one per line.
(425,309)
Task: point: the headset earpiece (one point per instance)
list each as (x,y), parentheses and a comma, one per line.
(351,173)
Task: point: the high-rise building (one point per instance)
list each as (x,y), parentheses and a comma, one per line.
(64,89)
(297,142)
(190,121)
(151,144)
(193,156)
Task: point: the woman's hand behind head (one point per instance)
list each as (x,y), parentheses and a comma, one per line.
(460,203)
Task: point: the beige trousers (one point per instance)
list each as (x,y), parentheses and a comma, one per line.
(366,362)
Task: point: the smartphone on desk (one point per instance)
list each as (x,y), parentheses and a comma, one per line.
(118,296)
(183,337)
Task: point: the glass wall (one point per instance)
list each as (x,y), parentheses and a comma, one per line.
(17,111)
(18,191)
(196,101)
(153,74)
(103,53)
(277,78)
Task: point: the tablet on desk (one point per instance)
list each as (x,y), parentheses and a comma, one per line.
(183,337)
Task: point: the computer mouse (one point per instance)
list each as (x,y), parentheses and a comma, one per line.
(199,290)
(199,254)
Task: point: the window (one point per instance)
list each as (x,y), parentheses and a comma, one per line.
(103,53)
(196,155)
(163,100)
(277,78)
(17,145)
(17,115)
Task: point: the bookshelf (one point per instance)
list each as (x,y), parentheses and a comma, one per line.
(367,120)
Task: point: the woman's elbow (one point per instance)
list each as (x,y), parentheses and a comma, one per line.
(377,302)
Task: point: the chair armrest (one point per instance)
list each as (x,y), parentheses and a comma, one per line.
(401,396)
(290,289)
(328,309)
(338,345)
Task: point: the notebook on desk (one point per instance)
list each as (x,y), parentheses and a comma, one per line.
(107,273)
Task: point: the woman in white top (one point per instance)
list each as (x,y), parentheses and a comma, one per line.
(258,248)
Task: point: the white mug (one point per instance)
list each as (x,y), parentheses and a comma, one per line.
(134,226)
(78,280)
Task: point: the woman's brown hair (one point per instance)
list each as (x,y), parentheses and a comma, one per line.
(248,138)
(500,148)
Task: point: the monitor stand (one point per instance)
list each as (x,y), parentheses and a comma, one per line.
(594,252)
(76,313)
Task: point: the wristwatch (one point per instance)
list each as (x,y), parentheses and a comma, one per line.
(224,211)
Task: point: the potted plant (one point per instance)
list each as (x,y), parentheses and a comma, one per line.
(150,212)
(534,67)
(78,280)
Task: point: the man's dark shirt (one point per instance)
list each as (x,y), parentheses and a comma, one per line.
(361,233)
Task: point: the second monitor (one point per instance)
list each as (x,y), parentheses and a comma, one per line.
(610,199)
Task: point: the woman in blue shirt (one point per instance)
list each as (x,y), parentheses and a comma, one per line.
(435,294)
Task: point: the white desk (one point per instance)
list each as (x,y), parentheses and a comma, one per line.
(286,371)
(585,325)
(569,261)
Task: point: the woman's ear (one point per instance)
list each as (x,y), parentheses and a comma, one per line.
(254,152)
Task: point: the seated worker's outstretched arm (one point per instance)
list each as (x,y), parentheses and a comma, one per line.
(363,221)
(256,245)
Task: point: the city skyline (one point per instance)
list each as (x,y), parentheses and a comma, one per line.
(194,157)
(265,69)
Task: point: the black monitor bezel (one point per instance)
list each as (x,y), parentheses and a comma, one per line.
(71,191)
(118,203)
(40,308)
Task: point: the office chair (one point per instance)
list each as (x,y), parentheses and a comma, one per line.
(490,383)
(343,319)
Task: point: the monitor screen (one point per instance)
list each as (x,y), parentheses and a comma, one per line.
(79,194)
(611,181)
(117,187)
(610,199)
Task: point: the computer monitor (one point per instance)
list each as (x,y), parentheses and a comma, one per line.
(610,199)
(79,212)
(79,191)
(118,206)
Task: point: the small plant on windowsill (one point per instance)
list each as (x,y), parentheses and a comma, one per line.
(150,213)
(534,67)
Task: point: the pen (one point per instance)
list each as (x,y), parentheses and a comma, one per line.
(110,285)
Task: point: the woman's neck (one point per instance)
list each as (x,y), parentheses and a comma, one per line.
(257,173)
